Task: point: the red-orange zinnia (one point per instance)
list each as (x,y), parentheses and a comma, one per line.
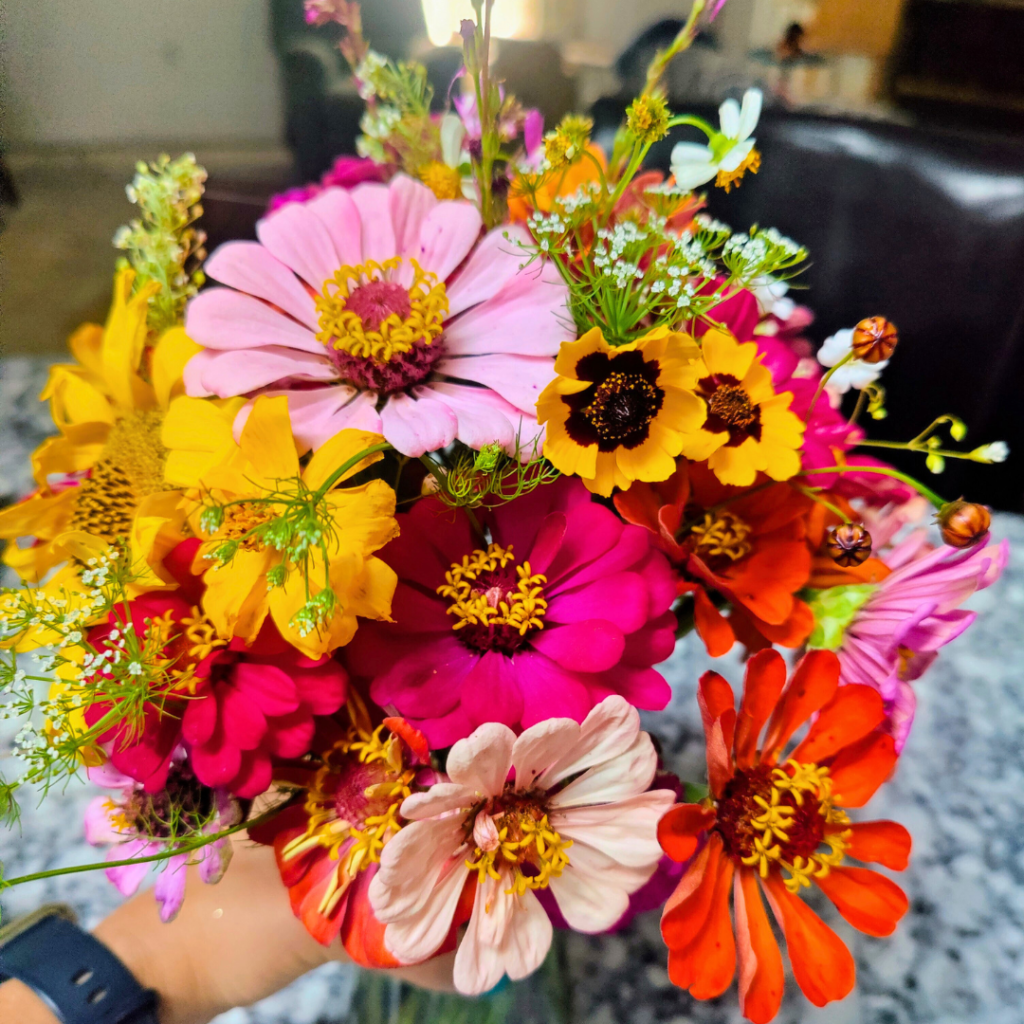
(779,823)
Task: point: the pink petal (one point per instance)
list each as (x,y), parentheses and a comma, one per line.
(548,543)
(653,644)
(527,317)
(481,762)
(169,890)
(222,318)
(591,646)
(518,379)
(626,831)
(267,687)
(541,746)
(643,687)
(410,202)
(441,798)
(216,765)
(200,719)
(446,236)
(620,598)
(251,268)
(318,414)
(338,213)
(321,689)
(241,718)
(226,374)
(549,690)
(616,779)
(253,777)
(416,426)
(299,239)
(494,262)
(378,232)
(490,691)
(99,829)
(589,905)
(427,682)
(482,417)
(128,877)
(291,735)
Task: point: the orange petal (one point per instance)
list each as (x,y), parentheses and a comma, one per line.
(850,715)
(869,901)
(861,768)
(761,974)
(813,685)
(718,712)
(706,966)
(687,908)
(680,827)
(362,934)
(822,965)
(880,842)
(712,626)
(762,684)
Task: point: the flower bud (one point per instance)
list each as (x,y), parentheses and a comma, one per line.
(849,544)
(963,523)
(874,339)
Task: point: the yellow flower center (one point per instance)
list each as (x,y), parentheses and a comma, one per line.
(353,805)
(444,181)
(752,163)
(242,517)
(367,315)
(495,602)
(130,468)
(779,819)
(730,402)
(522,837)
(722,535)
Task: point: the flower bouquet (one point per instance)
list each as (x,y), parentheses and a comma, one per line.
(372,547)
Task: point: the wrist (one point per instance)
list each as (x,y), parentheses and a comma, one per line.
(19,1003)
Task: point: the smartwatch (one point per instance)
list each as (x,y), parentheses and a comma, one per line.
(77,977)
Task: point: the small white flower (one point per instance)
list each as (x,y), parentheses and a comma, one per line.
(997,451)
(856,373)
(694,164)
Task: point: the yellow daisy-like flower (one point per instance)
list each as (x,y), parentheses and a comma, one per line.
(103,475)
(749,428)
(242,591)
(616,414)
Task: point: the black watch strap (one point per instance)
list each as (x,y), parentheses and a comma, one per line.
(80,979)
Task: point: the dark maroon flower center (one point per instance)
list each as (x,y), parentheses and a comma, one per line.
(729,408)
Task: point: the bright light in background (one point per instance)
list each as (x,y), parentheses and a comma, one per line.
(510,19)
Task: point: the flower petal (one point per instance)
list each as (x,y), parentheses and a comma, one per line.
(860,769)
(680,829)
(618,779)
(416,426)
(872,903)
(853,712)
(762,978)
(481,762)
(813,685)
(880,842)
(299,239)
(762,685)
(222,318)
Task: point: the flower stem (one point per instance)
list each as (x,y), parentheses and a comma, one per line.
(926,492)
(824,380)
(814,496)
(383,446)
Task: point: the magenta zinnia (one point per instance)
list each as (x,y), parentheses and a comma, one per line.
(564,606)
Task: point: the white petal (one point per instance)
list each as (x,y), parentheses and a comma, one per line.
(481,761)
(736,155)
(593,863)
(588,905)
(729,119)
(452,133)
(835,347)
(751,112)
(417,936)
(439,799)
(540,747)
(626,831)
(608,730)
(620,778)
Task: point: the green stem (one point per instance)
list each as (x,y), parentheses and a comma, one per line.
(913,446)
(862,400)
(435,472)
(814,496)
(927,492)
(347,465)
(824,380)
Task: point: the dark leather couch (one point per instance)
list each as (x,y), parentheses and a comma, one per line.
(925,228)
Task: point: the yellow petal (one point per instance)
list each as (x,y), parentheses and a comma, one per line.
(86,346)
(228,587)
(267,440)
(648,461)
(606,476)
(758,383)
(197,434)
(682,410)
(156,531)
(735,465)
(124,336)
(174,349)
(723,354)
(371,599)
(565,454)
(336,452)
(571,352)
(75,397)
(699,444)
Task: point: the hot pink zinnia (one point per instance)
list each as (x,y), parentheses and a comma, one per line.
(566,606)
(382,308)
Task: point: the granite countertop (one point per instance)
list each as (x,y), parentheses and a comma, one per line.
(958,956)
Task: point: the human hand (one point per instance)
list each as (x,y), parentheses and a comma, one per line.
(232,944)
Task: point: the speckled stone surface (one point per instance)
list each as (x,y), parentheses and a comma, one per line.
(958,957)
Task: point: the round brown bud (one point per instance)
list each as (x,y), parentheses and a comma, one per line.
(849,544)
(874,339)
(963,523)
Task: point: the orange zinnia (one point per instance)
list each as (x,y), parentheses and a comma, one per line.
(751,548)
(778,822)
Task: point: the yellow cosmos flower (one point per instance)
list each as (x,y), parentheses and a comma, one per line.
(102,476)
(616,414)
(357,521)
(749,428)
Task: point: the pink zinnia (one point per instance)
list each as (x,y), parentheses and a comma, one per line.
(895,634)
(382,308)
(577,817)
(564,607)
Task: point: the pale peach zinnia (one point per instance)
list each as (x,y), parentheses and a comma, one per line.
(593,841)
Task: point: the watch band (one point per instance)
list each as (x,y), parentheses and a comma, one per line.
(74,973)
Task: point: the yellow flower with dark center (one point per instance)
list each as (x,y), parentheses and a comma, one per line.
(619,414)
(749,428)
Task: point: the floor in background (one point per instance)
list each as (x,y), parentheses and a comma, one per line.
(58,260)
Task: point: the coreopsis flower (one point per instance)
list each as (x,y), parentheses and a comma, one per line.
(751,548)
(615,414)
(328,845)
(577,818)
(137,824)
(888,631)
(730,152)
(105,469)
(380,308)
(563,606)
(775,823)
(231,706)
(293,544)
(749,428)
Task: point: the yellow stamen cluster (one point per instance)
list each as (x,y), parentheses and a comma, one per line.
(647,118)
(354,846)
(521,838)
(242,517)
(444,181)
(726,179)
(797,780)
(344,330)
(201,636)
(722,534)
(523,608)
(567,142)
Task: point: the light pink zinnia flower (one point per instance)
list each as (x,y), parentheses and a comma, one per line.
(897,632)
(381,308)
(593,841)
(131,824)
